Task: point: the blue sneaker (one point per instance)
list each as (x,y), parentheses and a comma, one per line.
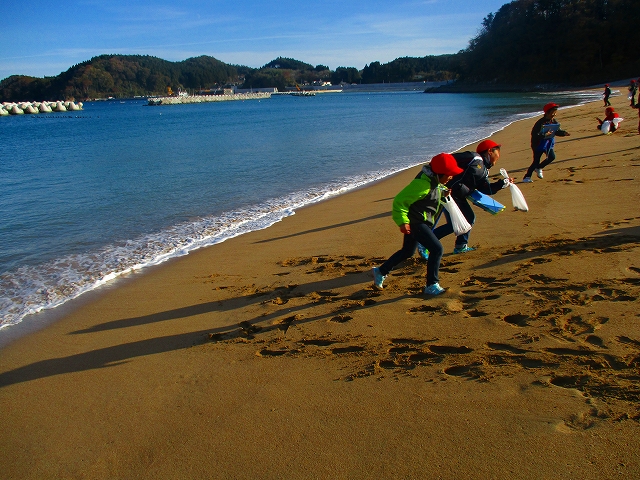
(463,249)
(434,289)
(424,253)
(378,278)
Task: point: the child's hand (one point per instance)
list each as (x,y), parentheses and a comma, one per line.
(406,229)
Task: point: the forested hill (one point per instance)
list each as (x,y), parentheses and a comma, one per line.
(126,76)
(562,42)
(119,76)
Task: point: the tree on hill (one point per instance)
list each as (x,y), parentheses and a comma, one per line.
(555,41)
(288,64)
(205,71)
(432,68)
(269,78)
(285,72)
(345,75)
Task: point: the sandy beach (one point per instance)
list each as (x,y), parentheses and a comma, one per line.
(272,356)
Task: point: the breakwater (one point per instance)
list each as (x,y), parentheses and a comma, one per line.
(21,108)
(185,99)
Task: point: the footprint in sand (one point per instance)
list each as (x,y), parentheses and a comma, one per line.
(595,341)
(476,313)
(423,309)
(449,269)
(472,371)
(275,353)
(349,349)
(517,319)
(450,350)
(409,341)
(628,341)
(577,352)
(504,347)
(249,329)
(318,342)
(286,323)
(537,261)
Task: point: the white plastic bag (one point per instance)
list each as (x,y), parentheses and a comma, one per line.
(458,222)
(517,198)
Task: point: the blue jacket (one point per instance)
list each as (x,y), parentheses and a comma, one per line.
(540,143)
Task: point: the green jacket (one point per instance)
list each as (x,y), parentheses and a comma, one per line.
(420,201)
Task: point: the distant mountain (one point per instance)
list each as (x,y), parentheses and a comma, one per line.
(284,72)
(120,76)
(126,76)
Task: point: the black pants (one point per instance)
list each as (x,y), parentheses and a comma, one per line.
(551,156)
(420,233)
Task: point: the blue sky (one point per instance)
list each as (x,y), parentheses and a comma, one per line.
(45,38)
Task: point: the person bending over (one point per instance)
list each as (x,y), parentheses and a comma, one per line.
(415,210)
(610,122)
(474,176)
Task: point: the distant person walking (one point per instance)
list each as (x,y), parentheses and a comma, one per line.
(633,89)
(415,210)
(543,139)
(606,95)
(637,107)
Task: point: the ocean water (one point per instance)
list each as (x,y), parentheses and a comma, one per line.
(86,197)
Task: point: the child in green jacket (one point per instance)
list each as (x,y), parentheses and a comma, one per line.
(415,210)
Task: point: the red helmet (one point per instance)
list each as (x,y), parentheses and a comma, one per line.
(486,145)
(445,164)
(549,106)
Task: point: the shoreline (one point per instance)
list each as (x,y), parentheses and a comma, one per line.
(466,87)
(270,355)
(290,202)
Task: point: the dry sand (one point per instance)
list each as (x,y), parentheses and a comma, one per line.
(271,355)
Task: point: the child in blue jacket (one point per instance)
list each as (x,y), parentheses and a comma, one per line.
(542,142)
